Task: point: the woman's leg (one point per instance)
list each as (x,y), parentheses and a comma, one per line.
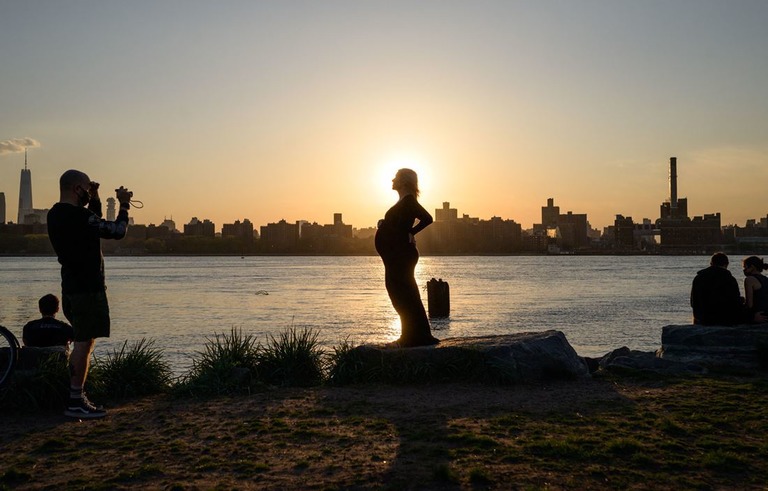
(404,293)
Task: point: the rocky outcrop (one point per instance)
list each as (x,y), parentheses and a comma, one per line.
(512,358)
(735,347)
(647,361)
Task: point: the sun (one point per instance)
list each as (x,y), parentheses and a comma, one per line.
(389,166)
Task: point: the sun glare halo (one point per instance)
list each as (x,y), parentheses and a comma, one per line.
(389,167)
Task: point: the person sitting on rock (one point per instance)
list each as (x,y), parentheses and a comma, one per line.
(47,331)
(715,296)
(755,285)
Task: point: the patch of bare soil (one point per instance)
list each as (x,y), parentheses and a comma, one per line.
(362,437)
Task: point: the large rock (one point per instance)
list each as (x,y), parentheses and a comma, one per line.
(646,361)
(511,358)
(740,347)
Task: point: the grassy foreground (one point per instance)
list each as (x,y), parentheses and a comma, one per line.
(608,433)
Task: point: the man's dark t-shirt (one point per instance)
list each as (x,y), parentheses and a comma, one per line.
(46,332)
(75,233)
(715,298)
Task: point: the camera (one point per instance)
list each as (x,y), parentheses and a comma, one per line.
(123,189)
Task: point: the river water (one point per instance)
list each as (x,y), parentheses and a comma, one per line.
(599,302)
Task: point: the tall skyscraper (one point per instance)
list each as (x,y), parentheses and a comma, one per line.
(25,192)
(2,208)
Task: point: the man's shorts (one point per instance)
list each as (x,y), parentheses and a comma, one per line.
(88,313)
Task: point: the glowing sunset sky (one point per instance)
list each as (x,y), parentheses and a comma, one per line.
(296,110)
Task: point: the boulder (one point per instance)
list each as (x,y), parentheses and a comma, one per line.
(737,347)
(30,358)
(646,361)
(511,358)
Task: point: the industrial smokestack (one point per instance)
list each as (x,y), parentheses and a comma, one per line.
(673,182)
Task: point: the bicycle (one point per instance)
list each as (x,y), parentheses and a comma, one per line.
(9,355)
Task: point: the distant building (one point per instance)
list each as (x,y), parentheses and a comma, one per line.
(338,229)
(364,233)
(205,228)
(687,235)
(111,209)
(623,230)
(628,235)
(27,214)
(2,208)
(136,232)
(170,225)
(573,229)
(335,237)
(452,235)
(678,232)
(238,229)
(750,238)
(550,213)
(674,207)
(446,213)
(499,235)
(280,237)
(157,231)
(36,216)
(536,240)
(25,193)
(565,231)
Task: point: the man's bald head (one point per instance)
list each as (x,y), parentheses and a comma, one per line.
(72,178)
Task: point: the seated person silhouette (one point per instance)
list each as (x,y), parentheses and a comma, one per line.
(715,297)
(47,331)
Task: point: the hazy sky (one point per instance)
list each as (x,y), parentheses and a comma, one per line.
(269,110)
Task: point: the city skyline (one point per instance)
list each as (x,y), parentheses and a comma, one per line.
(671,203)
(299,110)
(25,197)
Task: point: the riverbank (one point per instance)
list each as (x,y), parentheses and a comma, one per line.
(610,432)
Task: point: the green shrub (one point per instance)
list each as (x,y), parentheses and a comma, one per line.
(135,370)
(346,365)
(227,365)
(294,358)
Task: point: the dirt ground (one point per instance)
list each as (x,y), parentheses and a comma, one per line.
(362,437)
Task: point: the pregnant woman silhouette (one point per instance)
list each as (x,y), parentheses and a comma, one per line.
(396,245)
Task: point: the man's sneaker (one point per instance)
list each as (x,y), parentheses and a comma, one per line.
(88,401)
(82,408)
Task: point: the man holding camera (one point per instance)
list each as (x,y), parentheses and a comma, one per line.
(75,233)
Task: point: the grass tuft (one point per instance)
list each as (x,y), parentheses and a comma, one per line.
(345,364)
(292,359)
(133,371)
(227,365)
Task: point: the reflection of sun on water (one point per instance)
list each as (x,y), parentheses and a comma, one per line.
(393,330)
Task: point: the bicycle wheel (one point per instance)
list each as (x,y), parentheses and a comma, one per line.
(9,354)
